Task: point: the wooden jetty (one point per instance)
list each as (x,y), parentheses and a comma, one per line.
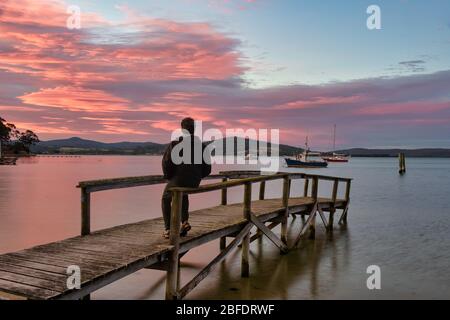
(108,255)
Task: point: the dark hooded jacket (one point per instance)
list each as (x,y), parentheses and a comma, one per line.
(189,174)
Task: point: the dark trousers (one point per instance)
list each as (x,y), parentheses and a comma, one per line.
(166,204)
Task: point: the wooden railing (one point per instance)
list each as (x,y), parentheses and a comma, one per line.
(229,179)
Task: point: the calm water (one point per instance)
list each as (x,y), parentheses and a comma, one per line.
(401,224)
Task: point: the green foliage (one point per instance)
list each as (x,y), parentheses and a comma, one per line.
(22,141)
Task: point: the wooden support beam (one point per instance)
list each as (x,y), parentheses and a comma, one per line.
(306,188)
(259,234)
(269,234)
(224,200)
(85,219)
(343,218)
(223,243)
(247,200)
(210,267)
(322,216)
(315,196)
(331,219)
(245,265)
(172,272)
(312,227)
(347,191)
(315,188)
(306,226)
(284,221)
(335,191)
(85,212)
(262,190)
(332,209)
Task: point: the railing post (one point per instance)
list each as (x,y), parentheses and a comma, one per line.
(315,188)
(347,191)
(306,189)
(347,201)
(315,196)
(286,193)
(224,200)
(85,212)
(262,190)
(173,267)
(245,267)
(333,207)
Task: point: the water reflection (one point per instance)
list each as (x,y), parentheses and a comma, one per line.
(306,271)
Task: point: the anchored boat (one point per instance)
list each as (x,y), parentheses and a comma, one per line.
(301,160)
(335,157)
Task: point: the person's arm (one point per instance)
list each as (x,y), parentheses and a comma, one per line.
(168,166)
(206,164)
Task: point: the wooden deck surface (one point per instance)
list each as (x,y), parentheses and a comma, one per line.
(108,255)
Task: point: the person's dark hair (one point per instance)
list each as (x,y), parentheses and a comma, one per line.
(188,124)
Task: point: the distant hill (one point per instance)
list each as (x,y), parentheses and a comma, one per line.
(82,146)
(417,153)
(89,147)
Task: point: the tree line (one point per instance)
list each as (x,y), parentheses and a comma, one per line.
(14,141)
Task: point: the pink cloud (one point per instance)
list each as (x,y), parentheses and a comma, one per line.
(318,101)
(76,99)
(403,108)
(109,84)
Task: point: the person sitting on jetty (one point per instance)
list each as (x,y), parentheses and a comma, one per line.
(182,172)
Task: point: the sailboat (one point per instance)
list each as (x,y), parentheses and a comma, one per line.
(301,160)
(335,157)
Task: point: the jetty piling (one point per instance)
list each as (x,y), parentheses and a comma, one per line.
(402,163)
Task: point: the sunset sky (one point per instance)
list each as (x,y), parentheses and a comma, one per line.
(137,67)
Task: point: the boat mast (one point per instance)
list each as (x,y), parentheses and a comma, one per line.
(334,139)
(306,148)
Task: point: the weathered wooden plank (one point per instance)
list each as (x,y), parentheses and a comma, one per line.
(75,258)
(30,292)
(33,265)
(32,272)
(10,297)
(88,268)
(57,286)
